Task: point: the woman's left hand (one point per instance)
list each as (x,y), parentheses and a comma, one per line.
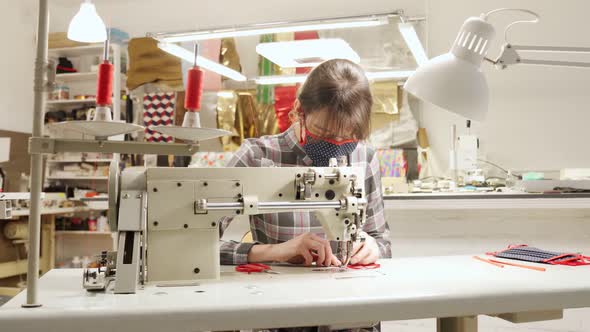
(366,252)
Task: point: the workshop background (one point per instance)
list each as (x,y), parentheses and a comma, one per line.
(537,123)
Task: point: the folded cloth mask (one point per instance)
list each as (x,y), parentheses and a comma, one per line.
(321,150)
(523,252)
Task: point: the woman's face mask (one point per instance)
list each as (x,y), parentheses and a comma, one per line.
(321,150)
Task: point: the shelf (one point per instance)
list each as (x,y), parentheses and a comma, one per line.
(82,233)
(80,161)
(26,212)
(75,77)
(77,178)
(77,51)
(68,102)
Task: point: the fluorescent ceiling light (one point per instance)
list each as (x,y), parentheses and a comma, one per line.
(276,27)
(306,53)
(87,26)
(389,75)
(280,79)
(372,76)
(409,34)
(202,62)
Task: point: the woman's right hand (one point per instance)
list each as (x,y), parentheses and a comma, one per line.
(299,250)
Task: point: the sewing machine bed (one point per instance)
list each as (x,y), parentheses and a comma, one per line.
(405,288)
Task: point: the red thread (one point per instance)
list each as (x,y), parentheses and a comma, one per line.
(104,86)
(194,89)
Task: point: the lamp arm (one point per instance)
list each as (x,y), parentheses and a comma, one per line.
(509,56)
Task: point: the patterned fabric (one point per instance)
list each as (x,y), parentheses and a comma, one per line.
(158,109)
(284,150)
(392,162)
(210,159)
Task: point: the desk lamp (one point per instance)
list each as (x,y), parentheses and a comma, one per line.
(454,81)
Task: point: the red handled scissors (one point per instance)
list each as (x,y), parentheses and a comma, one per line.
(371,266)
(255,268)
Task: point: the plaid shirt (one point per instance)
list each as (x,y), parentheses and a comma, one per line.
(284,150)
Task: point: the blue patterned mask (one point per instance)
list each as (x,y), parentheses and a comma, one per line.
(320,150)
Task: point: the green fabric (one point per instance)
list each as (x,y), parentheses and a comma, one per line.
(265,93)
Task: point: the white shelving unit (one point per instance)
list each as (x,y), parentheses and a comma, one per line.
(64,233)
(77,51)
(70,102)
(82,243)
(77,178)
(73,77)
(80,160)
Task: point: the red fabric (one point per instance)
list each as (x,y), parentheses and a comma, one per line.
(285,95)
(284,99)
(194,89)
(104,85)
(371,266)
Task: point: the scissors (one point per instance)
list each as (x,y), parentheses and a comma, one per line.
(255,268)
(371,266)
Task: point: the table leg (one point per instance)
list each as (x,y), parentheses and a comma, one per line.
(457,324)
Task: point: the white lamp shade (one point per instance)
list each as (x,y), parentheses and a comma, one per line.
(451,83)
(87,26)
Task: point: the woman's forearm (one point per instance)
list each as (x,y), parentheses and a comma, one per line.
(262,253)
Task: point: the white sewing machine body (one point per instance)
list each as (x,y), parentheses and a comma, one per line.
(170,216)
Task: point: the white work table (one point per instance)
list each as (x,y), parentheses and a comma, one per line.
(486,201)
(408,288)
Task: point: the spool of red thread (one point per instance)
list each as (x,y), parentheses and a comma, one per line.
(194,89)
(104,86)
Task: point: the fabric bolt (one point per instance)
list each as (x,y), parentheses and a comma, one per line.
(149,64)
(285,97)
(265,93)
(392,162)
(536,255)
(158,109)
(284,150)
(210,159)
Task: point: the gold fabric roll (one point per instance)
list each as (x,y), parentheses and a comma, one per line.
(149,64)
(228,55)
(226,117)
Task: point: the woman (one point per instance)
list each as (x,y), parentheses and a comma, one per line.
(331,118)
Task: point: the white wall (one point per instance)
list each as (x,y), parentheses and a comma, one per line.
(19,21)
(538,116)
(18,26)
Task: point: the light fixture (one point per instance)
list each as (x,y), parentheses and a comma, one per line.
(204,63)
(389,75)
(372,76)
(408,32)
(86,26)
(454,81)
(306,53)
(280,79)
(277,27)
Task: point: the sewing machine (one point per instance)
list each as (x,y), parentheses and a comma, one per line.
(168,218)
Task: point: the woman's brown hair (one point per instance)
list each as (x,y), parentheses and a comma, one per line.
(340,89)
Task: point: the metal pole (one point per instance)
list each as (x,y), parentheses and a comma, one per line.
(37,159)
(271,206)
